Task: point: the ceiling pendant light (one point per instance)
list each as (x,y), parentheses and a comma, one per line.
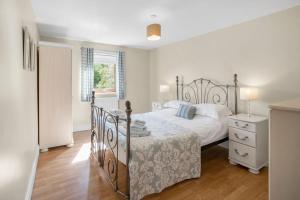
(153,32)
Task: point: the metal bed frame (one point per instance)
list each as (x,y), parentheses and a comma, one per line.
(104,143)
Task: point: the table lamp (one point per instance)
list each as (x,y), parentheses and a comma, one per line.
(248,94)
(164,89)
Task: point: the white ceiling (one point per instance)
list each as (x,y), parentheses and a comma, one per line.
(123,22)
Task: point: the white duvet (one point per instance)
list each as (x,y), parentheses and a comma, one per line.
(209,129)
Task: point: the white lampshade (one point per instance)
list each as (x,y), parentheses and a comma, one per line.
(164,88)
(248,93)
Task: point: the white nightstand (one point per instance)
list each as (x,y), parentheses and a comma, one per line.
(156,106)
(248,141)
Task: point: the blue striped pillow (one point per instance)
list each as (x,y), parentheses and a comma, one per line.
(186,111)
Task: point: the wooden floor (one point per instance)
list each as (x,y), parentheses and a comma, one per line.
(69,174)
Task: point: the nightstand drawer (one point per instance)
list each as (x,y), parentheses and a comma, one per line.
(242,125)
(241,136)
(242,153)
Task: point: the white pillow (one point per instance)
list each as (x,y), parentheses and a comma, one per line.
(215,111)
(175,104)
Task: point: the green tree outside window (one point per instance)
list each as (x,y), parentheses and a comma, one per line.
(104,76)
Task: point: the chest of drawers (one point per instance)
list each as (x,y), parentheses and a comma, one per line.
(248,141)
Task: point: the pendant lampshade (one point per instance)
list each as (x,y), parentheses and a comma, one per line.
(153,32)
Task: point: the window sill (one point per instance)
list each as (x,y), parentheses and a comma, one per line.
(107,94)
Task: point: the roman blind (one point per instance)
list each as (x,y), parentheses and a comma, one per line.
(106,57)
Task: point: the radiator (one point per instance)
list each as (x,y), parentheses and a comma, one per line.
(107,103)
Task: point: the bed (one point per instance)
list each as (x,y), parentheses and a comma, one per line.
(172,153)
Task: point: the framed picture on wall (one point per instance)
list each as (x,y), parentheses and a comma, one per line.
(26,49)
(32,55)
(35,56)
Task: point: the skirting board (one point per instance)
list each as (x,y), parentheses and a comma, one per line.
(82,127)
(32,174)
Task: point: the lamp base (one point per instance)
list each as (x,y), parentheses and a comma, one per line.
(249,112)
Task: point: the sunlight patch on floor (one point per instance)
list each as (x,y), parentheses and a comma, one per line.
(83,154)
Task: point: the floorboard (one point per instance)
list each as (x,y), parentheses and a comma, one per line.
(70,174)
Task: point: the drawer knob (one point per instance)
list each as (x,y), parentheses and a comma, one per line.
(238,153)
(238,137)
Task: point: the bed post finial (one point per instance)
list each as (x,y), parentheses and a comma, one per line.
(235,94)
(177,82)
(128,108)
(128,115)
(93,98)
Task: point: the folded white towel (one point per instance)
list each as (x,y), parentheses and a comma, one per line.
(138,128)
(134,132)
(139,122)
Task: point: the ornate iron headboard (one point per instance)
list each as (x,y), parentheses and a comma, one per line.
(204,90)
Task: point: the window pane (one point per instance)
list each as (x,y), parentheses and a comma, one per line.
(104,77)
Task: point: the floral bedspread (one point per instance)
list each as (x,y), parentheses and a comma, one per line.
(169,155)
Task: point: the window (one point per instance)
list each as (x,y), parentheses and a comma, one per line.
(104,73)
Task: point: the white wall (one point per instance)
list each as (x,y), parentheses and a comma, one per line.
(137,79)
(18,101)
(263,52)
